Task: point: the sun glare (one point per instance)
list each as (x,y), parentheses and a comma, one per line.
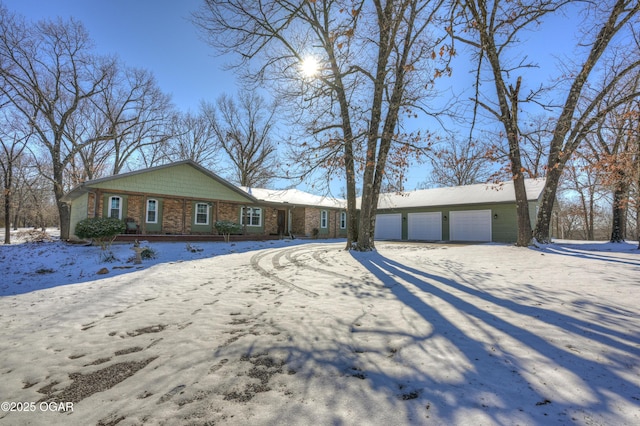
(310,67)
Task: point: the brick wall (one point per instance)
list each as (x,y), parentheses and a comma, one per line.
(228,211)
(172,216)
(270,220)
(312,220)
(135,208)
(298,221)
(177,214)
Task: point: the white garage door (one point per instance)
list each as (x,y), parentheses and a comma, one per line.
(425,226)
(472,225)
(388,227)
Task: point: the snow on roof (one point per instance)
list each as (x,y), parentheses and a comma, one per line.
(458,195)
(294,196)
(469,194)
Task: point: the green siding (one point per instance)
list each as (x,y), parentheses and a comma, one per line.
(78,212)
(182,181)
(153,227)
(342,231)
(208,228)
(504,229)
(106,205)
(253,229)
(325,230)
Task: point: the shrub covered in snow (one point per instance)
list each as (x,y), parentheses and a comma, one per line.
(227,228)
(102,230)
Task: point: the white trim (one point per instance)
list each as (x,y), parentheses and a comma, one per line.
(324,219)
(120,205)
(146,217)
(343,220)
(251,215)
(195,220)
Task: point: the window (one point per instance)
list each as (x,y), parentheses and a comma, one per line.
(343,220)
(324,219)
(152,211)
(251,216)
(115,207)
(202,214)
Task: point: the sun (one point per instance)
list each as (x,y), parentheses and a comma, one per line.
(309,67)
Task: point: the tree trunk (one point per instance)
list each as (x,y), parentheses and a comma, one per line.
(638,218)
(592,216)
(64,212)
(352,213)
(543,221)
(8,178)
(522,209)
(618,225)
(7,214)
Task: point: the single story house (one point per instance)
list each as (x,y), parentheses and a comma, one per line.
(184,198)
(481,212)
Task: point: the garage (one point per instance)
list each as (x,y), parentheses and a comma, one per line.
(388,227)
(470,225)
(425,226)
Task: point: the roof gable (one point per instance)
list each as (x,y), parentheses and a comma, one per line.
(181,179)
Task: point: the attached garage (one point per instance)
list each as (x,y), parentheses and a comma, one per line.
(470,225)
(388,227)
(424,226)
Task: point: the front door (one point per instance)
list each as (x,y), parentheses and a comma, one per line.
(282,222)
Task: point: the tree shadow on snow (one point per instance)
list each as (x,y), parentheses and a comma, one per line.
(596,253)
(514,372)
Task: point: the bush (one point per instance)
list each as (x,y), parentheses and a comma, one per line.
(227,228)
(103,230)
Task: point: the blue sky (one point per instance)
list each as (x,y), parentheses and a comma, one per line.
(152,34)
(157,35)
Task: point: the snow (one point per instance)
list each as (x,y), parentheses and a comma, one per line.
(468,194)
(294,196)
(302,332)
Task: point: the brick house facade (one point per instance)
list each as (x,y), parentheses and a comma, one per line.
(183,198)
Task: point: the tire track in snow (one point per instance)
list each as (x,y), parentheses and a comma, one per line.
(255,264)
(293,256)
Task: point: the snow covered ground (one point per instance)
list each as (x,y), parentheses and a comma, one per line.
(302,332)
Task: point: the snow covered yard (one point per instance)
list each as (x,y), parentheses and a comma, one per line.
(298,333)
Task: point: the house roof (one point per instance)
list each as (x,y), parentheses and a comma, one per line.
(295,197)
(459,195)
(86,186)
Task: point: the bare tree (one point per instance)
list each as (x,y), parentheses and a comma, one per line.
(132,112)
(12,144)
(457,162)
(137,112)
(371,60)
(492,29)
(48,72)
(194,138)
(588,186)
(244,128)
(612,151)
